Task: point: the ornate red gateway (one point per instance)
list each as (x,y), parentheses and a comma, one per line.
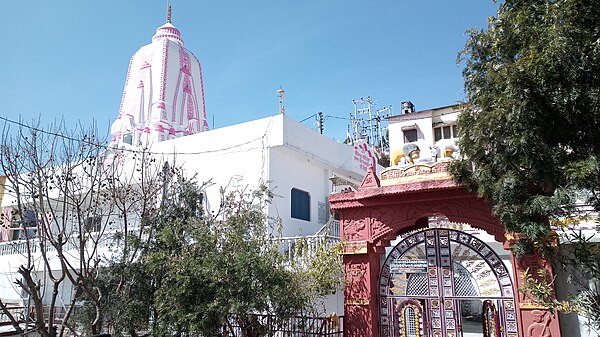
(437,280)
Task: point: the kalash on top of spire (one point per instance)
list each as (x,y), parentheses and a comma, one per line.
(164,94)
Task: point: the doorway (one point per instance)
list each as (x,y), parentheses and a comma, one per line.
(443,282)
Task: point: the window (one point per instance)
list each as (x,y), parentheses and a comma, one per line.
(25,228)
(410,136)
(92,224)
(437,134)
(300,205)
(445,132)
(410,320)
(128,138)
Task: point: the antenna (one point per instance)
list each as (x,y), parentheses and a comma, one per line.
(281,95)
(368,124)
(168,11)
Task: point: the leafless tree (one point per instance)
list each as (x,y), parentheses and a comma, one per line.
(72,202)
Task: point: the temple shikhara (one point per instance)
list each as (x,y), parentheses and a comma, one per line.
(164,94)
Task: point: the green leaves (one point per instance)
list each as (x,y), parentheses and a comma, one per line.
(529,127)
(529,131)
(198,270)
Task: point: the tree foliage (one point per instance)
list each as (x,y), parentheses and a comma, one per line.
(89,218)
(200,273)
(529,131)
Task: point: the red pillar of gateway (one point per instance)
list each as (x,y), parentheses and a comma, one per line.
(533,319)
(361,270)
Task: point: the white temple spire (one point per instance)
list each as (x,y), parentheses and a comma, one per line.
(164,94)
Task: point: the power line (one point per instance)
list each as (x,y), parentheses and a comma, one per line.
(307,118)
(46,132)
(337,117)
(109,147)
(326,117)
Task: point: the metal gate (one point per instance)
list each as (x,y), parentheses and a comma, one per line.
(443,282)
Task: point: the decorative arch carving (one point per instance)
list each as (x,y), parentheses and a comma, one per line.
(380,214)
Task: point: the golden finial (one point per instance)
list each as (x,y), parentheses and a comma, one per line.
(168,12)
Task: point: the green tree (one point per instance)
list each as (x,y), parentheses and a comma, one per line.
(200,273)
(529,132)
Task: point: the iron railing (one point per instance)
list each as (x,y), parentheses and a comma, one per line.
(18,314)
(270,326)
(300,248)
(20,246)
(252,325)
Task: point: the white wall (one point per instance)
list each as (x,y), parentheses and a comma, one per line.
(9,291)
(289,171)
(328,152)
(422,120)
(234,157)
(276,149)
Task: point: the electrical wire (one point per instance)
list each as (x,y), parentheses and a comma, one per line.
(307,118)
(326,117)
(110,147)
(337,117)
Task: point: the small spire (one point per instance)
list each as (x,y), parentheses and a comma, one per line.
(168,12)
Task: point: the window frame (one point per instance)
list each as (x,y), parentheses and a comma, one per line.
(441,131)
(92,224)
(410,131)
(304,212)
(127,138)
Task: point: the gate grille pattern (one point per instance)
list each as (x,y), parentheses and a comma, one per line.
(459,266)
(463,284)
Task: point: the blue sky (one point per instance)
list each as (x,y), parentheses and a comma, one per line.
(69,58)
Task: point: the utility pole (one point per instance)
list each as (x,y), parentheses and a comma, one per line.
(369,124)
(320,121)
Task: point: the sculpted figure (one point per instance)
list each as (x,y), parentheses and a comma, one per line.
(447,149)
(409,153)
(539,327)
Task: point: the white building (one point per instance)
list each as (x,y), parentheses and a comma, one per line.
(294,160)
(433,131)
